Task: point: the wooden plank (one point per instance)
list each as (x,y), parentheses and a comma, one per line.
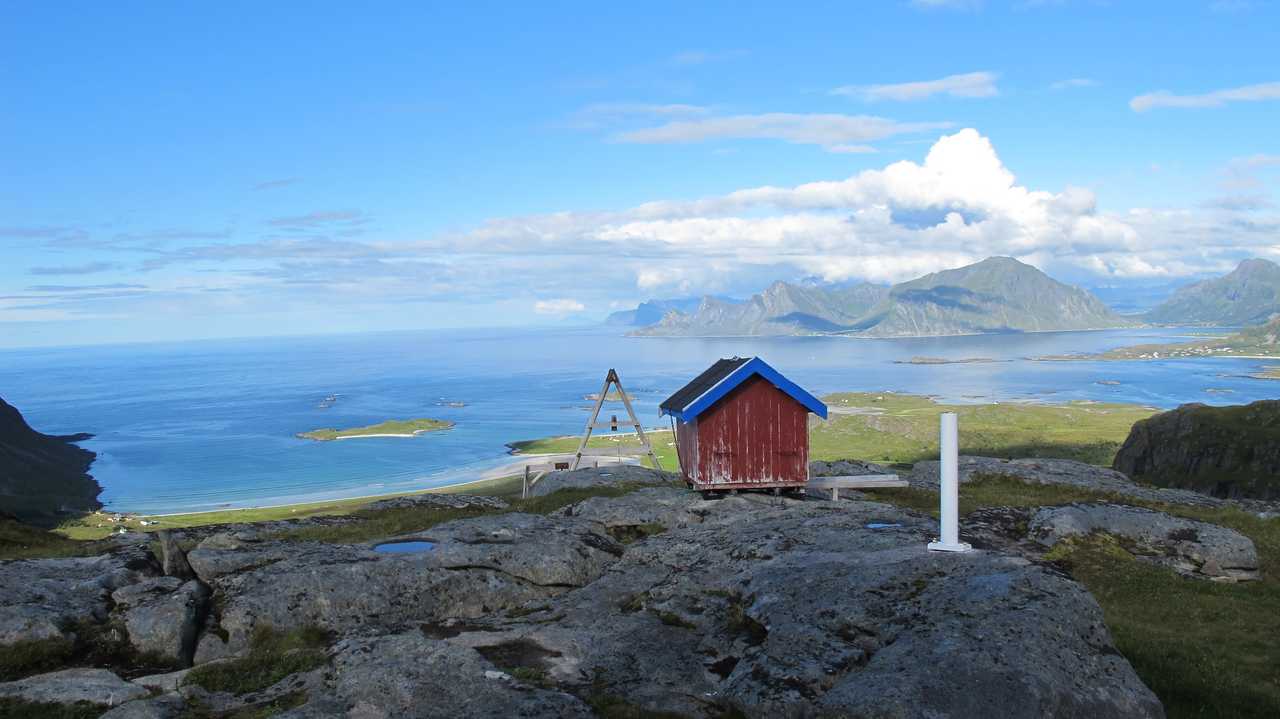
(612,452)
(858,481)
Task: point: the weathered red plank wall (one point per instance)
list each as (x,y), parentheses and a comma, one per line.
(687,447)
(755,435)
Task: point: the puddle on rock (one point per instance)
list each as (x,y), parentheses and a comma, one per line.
(410,547)
(883,525)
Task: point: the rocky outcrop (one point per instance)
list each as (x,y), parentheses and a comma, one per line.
(162,616)
(478,566)
(410,675)
(43,479)
(165,706)
(770,607)
(1187,546)
(72,686)
(1223,451)
(42,599)
(438,501)
(1064,472)
(653,601)
(609,476)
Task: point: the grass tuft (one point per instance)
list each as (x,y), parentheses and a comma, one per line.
(34,657)
(14,708)
(273,655)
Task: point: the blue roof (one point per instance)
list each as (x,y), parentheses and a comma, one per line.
(686,410)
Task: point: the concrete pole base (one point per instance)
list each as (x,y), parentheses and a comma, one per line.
(950,547)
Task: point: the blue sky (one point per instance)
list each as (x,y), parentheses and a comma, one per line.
(184,170)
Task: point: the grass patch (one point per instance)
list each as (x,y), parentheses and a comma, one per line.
(1206,649)
(96,526)
(273,655)
(22,541)
(607,706)
(897,428)
(532,675)
(13,708)
(380,523)
(660,439)
(398,427)
(34,657)
(630,533)
(671,619)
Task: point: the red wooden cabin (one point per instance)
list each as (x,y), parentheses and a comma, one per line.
(742,425)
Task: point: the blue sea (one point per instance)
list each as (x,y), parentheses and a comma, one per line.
(209,425)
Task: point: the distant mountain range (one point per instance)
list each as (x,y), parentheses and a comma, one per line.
(1248,295)
(651,312)
(999,294)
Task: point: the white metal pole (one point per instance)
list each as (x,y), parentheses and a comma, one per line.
(949,486)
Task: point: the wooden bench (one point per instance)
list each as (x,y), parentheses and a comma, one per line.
(856,481)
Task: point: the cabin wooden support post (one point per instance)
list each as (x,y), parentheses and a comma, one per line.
(524,488)
(593,423)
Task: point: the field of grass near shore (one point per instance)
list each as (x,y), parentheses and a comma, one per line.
(659,439)
(392,427)
(903,429)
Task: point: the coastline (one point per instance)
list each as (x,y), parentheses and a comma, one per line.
(509,470)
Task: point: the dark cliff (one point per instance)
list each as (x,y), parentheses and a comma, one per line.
(43,478)
(1223,451)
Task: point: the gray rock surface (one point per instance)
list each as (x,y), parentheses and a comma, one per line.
(39,598)
(846,467)
(668,507)
(777,607)
(478,566)
(165,706)
(442,501)
(761,605)
(162,616)
(69,686)
(1185,545)
(1065,472)
(608,476)
(230,552)
(167,682)
(173,560)
(408,675)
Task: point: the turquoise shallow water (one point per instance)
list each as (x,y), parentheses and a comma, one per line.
(209,425)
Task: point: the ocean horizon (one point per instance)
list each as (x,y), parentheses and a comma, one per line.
(212,424)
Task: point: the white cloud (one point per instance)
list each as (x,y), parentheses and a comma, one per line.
(959,205)
(852,149)
(1073,82)
(558,307)
(606,114)
(1217,98)
(827,130)
(968,85)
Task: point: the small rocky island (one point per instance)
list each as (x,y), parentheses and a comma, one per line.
(390,428)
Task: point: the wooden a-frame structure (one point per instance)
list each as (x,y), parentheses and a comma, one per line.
(594,423)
